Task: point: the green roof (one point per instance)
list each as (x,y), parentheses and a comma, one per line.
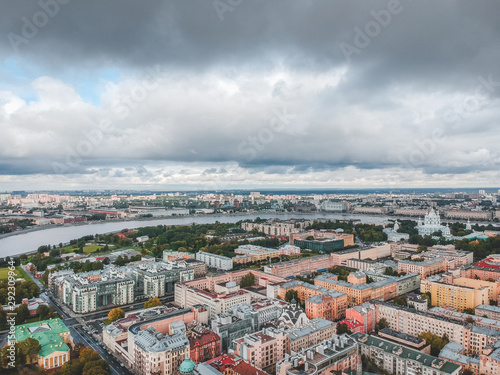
(406,353)
(47,332)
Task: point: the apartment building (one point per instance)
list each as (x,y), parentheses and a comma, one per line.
(90,291)
(474,215)
(276,227)
(253,253)
(480,321)
(319,302)
(262,349)
(492,312)
(486,269)
(215,261)
(300,266)
(310,333)
(217,302)
(358,293)
(455,295)
(335,355)
(364,314)
(401,319)
(399,360)
(156,353)
(423,268)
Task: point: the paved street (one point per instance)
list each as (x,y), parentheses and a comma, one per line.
(80,335)
(74,323)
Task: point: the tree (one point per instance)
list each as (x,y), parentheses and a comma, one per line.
(152,302)
(400,300)
(292,294)
(343,328)
(22,312)
(247,280)
(437,343)
(31,347)
(116,314)
(469,319)
(381,324)
(43,312)
(469,311)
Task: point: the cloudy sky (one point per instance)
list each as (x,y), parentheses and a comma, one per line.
(195,94)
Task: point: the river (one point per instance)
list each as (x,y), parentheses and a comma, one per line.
(30,241)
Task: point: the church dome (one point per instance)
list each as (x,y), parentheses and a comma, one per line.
(187,367)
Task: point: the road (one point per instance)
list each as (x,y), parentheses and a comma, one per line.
(74,324)
(80,335)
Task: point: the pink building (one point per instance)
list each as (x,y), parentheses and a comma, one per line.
(263,349)
(365,314)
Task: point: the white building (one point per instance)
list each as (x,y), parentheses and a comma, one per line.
(394,236)
(215,261)
(431,224)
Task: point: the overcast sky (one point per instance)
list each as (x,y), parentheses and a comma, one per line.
(195,94)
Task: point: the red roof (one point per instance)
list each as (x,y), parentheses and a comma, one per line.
(484,263)
(352,323)
(244,368)
(207,337)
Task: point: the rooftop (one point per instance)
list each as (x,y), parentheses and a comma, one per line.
(47,332)
(405,353)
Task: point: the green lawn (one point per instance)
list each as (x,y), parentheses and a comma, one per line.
(91,248)
(4,273)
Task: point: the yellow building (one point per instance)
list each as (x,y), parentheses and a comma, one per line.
(54,338)
(493,287)
(457,296)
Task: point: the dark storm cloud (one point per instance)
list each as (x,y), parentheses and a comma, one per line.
(219,83)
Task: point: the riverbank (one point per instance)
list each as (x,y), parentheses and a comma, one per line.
(29,241)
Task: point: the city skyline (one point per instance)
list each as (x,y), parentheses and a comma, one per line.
(234,95)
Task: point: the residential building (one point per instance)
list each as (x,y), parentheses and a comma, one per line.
(472,337)
(334,206)
(364,314)
(90,291)
(424,268)
(310,333)
(253,253)
(462,214)
(480,321)
(217,302)
(406,340)
(157,353)
(319,302)
(489,360)
(453,352)
(262,349)
(492,312)
(358,293)
(204,344)
(399,360)
(337,354)
(456,296)
(418,302)
(215,261)
(486,269)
